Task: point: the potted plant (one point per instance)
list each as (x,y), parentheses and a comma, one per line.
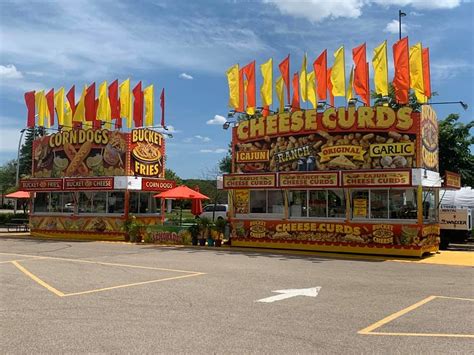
(204,224)
(220,229)
(194,231)
(134,230)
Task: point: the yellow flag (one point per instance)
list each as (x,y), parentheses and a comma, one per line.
(67,123)
(379,62)
(416,72)
(41,107)
(59,104)
(126,102)
(233,80)
(149,110)
(311,89)
(79,115)
(349,94)
(103,110)
(338,73)
(303,81)
(266,90)
(281,98)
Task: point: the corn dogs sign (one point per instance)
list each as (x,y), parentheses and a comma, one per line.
(92,153)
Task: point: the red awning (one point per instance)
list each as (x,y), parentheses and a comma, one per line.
(182,193)
(19,194)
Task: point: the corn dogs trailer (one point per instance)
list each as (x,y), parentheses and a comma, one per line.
(87,182)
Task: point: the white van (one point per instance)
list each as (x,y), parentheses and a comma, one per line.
(219,212)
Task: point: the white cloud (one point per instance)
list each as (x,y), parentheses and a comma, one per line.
(218,119)
(217,151)
(9,71)
(318,10)
(448,70)
(204,139)
(392,27)
(185,76)
(170,129)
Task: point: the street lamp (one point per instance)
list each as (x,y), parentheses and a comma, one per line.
(400,15)
(464,105)
(18,166)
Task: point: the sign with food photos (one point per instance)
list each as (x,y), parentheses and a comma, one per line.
(81,153)
(336,139)
(147,153)
(368,235)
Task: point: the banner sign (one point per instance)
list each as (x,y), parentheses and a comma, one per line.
(452,180)
(336,139)
(147,153)
(246,181)
(376,178)
(149,184)
(106,183)
(316,179)
(429,151)
(80,153)
(41,184)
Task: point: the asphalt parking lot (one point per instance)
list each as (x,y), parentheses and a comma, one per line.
(81,297)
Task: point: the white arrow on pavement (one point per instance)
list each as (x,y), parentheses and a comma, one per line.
(284,294)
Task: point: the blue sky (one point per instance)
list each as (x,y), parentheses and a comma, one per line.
(186,47)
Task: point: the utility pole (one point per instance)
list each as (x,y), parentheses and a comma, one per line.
(17,181)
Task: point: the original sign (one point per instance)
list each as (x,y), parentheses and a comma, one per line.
(376,178)
(308,179)
(239,181)
(41,184)
(106,183)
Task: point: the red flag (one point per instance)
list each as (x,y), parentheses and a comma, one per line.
(401,62)
(138,105)
(249,71)
(162,104)
(285,74)
(361,75)
(266,111)
(50,102)
(30,106)
(320,73)
(89,103)
(426,72)
(329,85)
(71,99)
(241,91)
(115,104)
(295,101)
(114,100)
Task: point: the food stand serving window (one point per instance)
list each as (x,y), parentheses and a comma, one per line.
(317,203)
(143,203)
(384,204)
(266,201)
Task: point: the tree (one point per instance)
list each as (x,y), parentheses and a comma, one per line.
(26,151)
(455,142)
(171,175)
(225,164)
(412,102)
(7,177)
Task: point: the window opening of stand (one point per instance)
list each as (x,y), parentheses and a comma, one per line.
(317,203)
(429,206)
(384,204)
(266,201)
(144,203)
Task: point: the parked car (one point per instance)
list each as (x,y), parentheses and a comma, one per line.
(218,211)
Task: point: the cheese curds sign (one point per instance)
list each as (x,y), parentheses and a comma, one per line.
(99,152)
(337,139)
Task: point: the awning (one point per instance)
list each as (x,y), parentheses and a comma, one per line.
(18,194)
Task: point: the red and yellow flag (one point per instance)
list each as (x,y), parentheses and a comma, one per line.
(401,79)
(361,74)
(285,74)
(321,72)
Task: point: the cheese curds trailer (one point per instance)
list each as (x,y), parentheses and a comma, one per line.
(361,180)
(87,182)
